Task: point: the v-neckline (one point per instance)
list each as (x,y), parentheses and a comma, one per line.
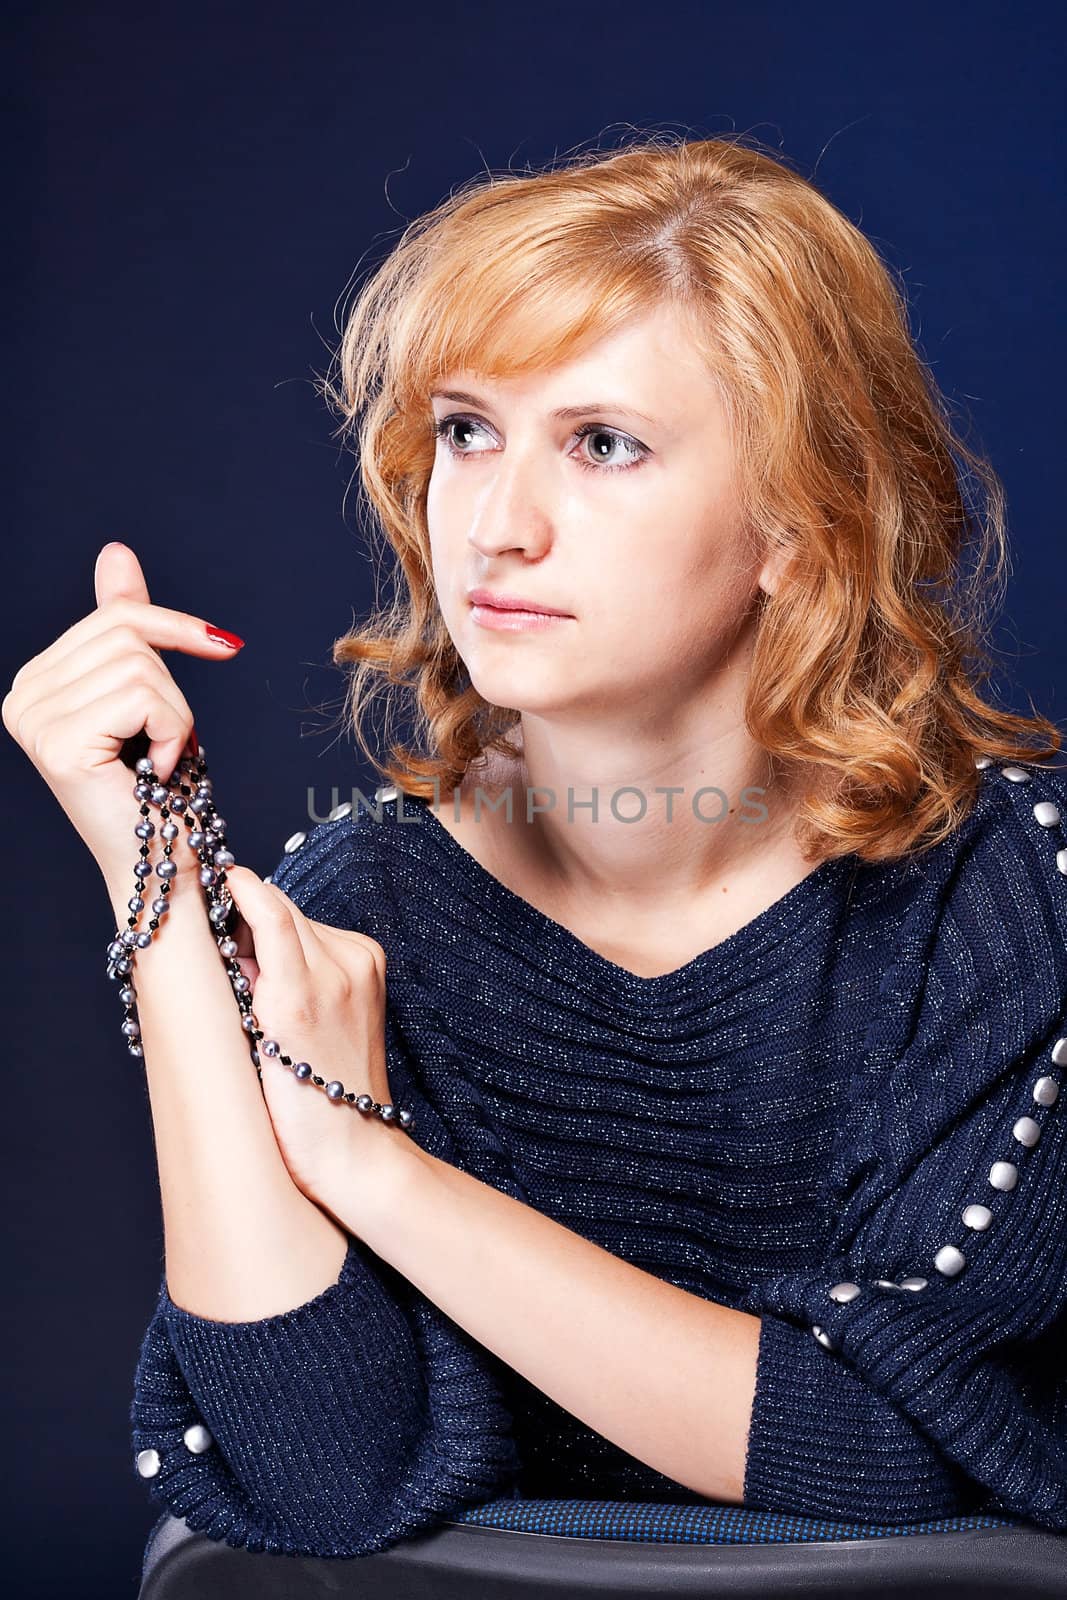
(768,927)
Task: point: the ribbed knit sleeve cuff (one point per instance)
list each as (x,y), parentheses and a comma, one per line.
(333,1429)
(823,1443)
(910,1377)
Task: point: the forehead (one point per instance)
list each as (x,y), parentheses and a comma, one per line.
(648,365)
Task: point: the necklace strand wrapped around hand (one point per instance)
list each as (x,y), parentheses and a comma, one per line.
(207,837)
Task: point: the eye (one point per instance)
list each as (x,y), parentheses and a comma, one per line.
(443,430)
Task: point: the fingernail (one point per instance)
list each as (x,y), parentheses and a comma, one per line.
(222,637)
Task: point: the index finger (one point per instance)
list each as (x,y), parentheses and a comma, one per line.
(160,626)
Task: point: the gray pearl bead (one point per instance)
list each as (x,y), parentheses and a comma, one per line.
(169,831)
(160,905)
(166,870)
(224,858)
(271,1047)
(131,1029)
(143,941)
(228,948)
(145,830)
(335,1090)
(144,764)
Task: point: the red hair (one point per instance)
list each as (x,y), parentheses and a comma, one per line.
(871,655)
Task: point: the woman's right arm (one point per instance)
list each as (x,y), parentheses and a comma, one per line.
(241,1241)
(299,1396)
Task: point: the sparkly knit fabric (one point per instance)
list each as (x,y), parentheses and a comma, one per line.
(855,1092)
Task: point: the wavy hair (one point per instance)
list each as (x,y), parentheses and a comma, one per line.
(870,658)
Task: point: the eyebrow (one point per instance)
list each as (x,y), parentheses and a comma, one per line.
(565,413)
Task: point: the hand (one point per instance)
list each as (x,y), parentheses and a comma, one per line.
(102,682)
(320,992)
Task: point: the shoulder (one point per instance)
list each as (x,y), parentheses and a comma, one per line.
(972,1004)
(977,979)
(995,888)
(327,865)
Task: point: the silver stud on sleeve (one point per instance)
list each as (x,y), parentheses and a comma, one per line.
(1046,1091)
(977,1217)
(983,761)
(340,811)
(949,1260)
(844,1292)
(914,1284)
(1059,1052)
(197,1438)
(1016,774)
(822,1338)
(148,1463)
(1004,1175)
(1046,813)
(1027,1131)
(385,792)
(294,841)
(1061,860)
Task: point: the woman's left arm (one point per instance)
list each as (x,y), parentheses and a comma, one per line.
(663,1373)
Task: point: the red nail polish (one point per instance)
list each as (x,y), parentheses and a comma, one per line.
(223,637)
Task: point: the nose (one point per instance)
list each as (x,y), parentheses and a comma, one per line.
(512,511)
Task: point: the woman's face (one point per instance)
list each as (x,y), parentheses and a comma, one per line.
(624,517)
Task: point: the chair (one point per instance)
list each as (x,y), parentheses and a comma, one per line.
(573,1549)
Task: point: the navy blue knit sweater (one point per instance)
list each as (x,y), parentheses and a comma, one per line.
(843,1118)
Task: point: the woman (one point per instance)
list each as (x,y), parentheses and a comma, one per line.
(732,1025)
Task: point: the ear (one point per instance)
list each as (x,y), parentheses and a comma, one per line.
(773,570)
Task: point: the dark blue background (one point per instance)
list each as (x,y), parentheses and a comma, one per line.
(191,195)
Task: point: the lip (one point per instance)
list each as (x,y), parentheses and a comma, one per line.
(484,599)
(510,621)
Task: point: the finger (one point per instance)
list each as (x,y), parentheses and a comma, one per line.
(96,732)
(280,944)
(118,575)
(86,698)
(158,626)
(100,669)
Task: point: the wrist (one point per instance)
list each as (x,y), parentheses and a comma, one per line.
(122,885)
(369,1182)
